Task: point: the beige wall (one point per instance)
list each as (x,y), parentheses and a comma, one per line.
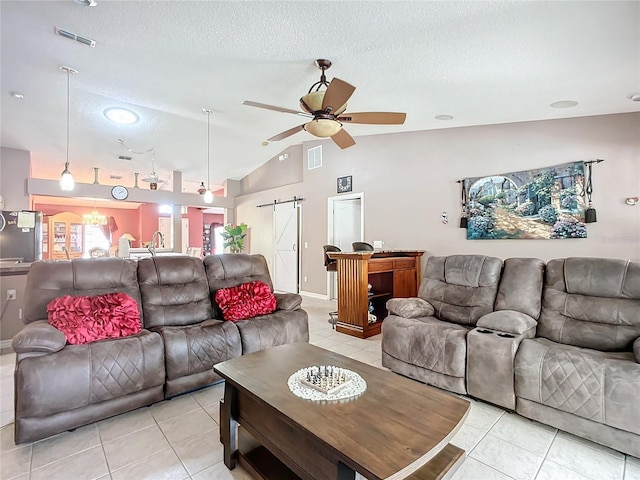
(276,172)
(409,179)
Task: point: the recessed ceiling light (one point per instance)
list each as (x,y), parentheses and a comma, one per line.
(17,95)
(564,104)
(121,116)
(444,117)
(634,97)
(86,3)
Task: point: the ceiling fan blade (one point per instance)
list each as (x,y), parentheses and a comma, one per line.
(343,139)
(337,94)
(277,109)
(286,133)
(379,118)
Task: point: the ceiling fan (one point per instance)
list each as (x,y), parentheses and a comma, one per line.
(326,110)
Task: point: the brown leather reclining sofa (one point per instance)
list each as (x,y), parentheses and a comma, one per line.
(558,343)
(59,386)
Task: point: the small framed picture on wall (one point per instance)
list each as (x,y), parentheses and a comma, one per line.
(344,184)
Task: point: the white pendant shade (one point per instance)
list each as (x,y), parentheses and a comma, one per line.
(66,181)
(208,196)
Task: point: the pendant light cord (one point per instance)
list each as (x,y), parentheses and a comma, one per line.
(66,165)
(208,148)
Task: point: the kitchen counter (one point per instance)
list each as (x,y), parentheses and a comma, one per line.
(138,253)
(12,268)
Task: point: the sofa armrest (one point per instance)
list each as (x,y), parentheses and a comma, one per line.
(410,307)
(508,321)
(288,301)
(38,337)
(636,349)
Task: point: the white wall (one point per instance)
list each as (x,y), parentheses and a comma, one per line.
(410,179)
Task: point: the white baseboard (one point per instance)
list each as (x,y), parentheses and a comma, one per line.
(5,344)
(314,295)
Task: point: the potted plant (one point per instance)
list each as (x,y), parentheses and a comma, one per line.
(233,236)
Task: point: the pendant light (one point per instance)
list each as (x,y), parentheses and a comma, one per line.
(208,195)
(66,179)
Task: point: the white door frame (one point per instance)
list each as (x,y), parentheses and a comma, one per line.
(330,203)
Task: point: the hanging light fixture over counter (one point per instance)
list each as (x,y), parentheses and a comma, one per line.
(66,179)
(208,195)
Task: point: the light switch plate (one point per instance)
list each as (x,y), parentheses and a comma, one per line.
(378,243)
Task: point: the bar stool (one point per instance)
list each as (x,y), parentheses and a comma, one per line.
(331,266)
(362,247)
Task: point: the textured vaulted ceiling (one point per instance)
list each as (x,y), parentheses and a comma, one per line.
(481,62)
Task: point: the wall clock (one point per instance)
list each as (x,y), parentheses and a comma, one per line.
(119,192)
(344,184)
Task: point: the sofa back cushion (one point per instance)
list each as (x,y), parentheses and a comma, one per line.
(49,279)
(521,286)
(232,269)
(592,303)
(461,288)
(174,291)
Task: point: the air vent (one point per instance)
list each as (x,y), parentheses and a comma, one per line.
(77,38)
(314,157)
(115,177)
(123,157)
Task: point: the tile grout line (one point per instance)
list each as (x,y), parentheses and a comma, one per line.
(104,452)
(545,454)
(168,442)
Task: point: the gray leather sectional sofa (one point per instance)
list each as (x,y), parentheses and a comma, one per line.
(59,386)
(558,343)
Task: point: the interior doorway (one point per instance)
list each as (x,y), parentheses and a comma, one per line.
(345,226)
(286,264)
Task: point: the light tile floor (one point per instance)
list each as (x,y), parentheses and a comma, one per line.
(178,439)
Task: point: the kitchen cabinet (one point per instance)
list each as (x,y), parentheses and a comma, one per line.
(66,236)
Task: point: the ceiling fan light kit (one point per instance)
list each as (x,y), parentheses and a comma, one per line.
(322,127)
(153,180)
(325,108)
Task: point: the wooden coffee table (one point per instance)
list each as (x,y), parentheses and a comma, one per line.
(397,429)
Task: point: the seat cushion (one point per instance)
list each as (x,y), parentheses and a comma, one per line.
(278,328)
(427,343)
(600,386)
(81,375)
(192,349)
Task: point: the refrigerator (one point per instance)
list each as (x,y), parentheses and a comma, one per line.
(20,235)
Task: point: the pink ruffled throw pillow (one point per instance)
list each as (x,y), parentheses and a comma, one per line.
(86,319)
(246,301)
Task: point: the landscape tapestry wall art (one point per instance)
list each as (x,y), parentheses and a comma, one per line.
(533,204)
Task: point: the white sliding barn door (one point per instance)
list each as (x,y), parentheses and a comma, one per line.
(285,265)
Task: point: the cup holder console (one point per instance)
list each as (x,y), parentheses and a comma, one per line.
(503,335)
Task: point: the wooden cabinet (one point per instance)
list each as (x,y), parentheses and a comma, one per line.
(391,274)
(66,236)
